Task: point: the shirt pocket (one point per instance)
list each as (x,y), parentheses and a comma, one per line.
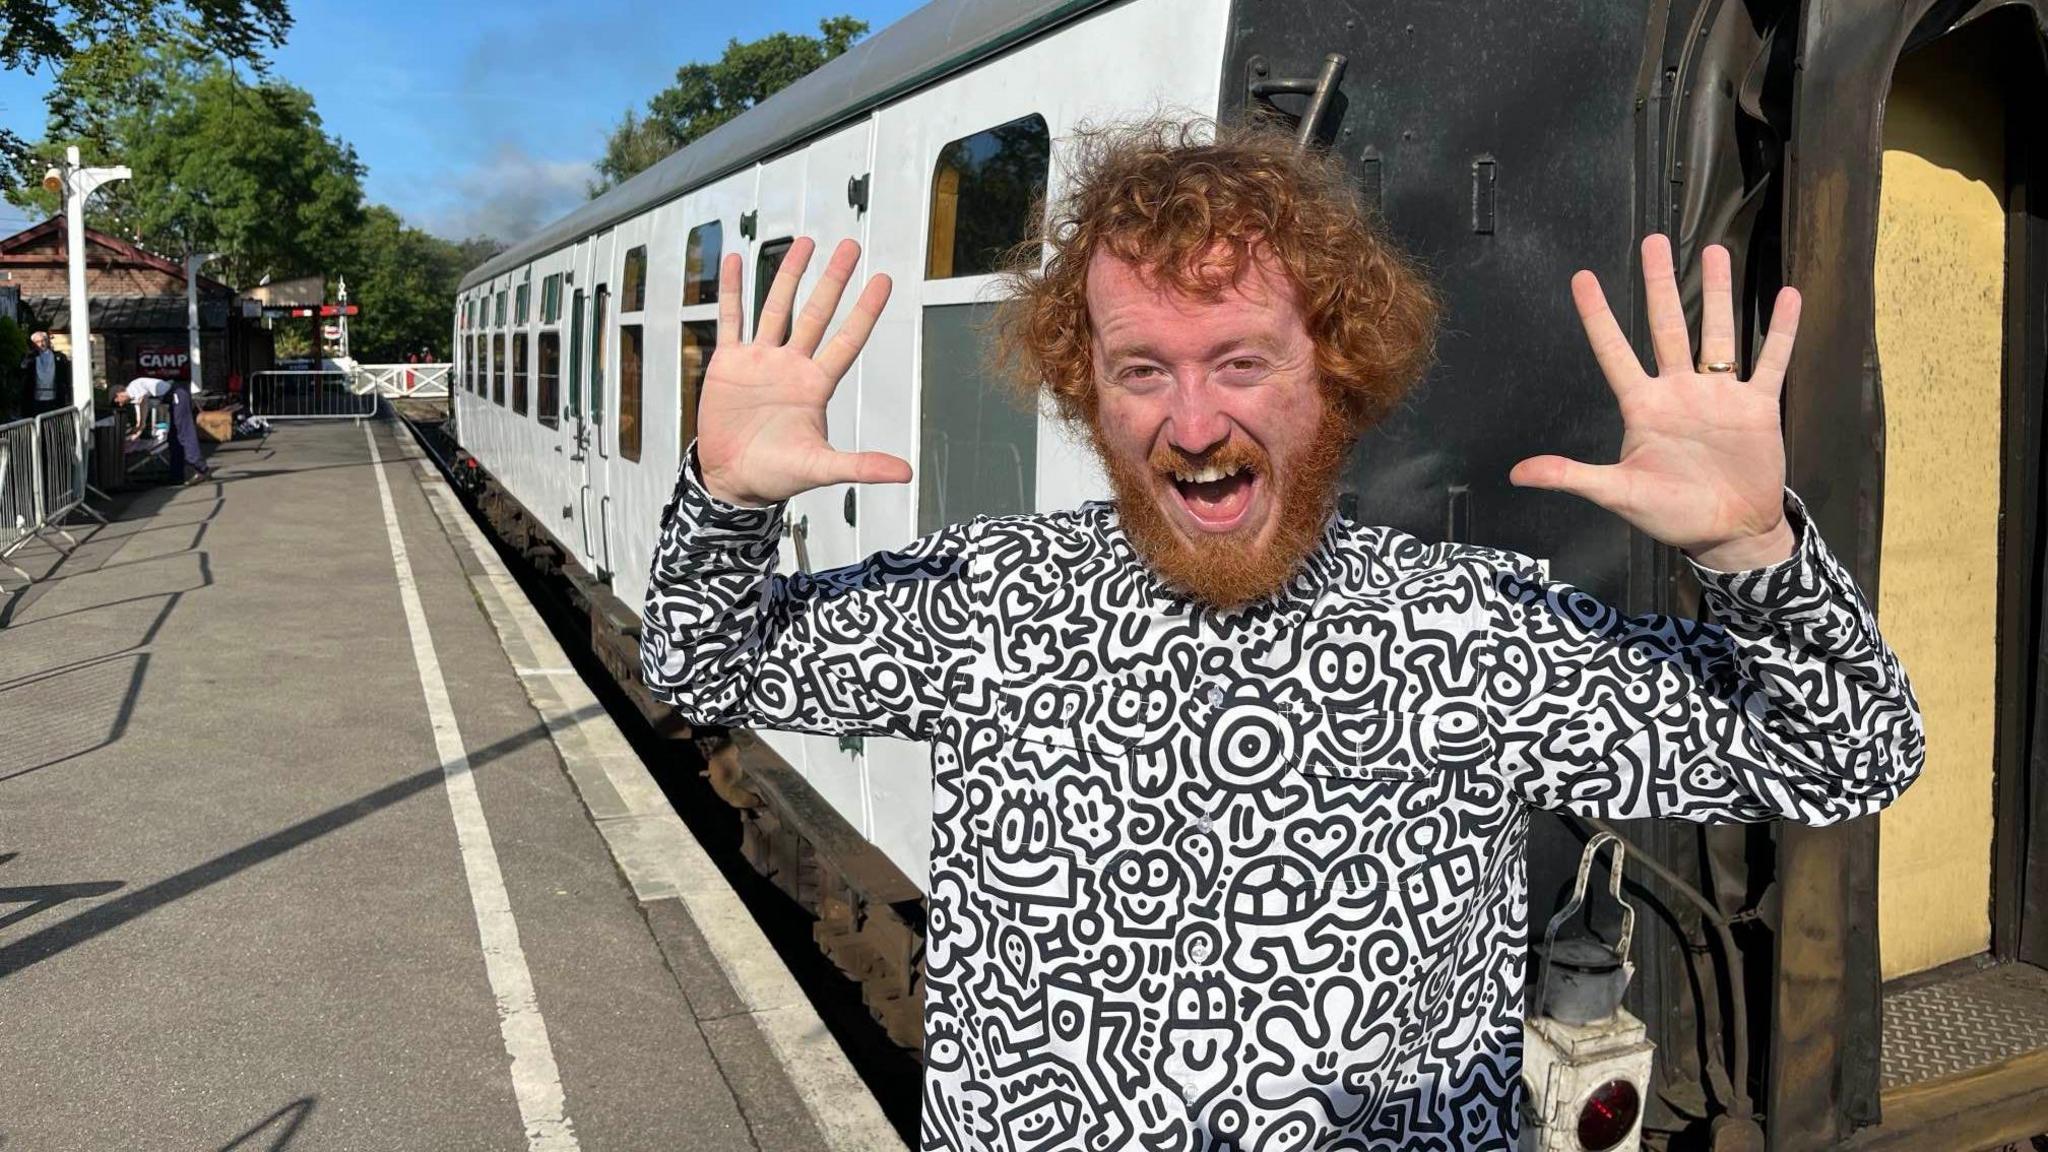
(1367,745)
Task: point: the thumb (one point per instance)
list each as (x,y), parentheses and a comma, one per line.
(868,468)
(1595,482)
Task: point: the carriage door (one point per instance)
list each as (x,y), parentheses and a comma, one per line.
(767,232)
(834,208)
(597,446)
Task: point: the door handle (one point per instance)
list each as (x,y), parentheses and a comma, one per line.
(1321,90)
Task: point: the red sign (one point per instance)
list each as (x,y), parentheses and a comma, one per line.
(164,361)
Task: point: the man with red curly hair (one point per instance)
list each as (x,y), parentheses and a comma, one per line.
(1230,794)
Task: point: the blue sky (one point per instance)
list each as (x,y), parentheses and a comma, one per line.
(480,118)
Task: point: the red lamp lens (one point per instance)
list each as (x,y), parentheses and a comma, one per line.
(1608,1116)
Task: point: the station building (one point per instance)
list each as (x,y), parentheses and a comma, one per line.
(138,317)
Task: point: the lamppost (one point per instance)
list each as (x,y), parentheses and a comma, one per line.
(77,184)
(192,264)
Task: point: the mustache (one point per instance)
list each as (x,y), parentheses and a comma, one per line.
(1231,455)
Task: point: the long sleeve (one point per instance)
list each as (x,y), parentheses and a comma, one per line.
(1784,704)
(875,648)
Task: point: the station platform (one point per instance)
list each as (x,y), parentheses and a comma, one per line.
(310,838)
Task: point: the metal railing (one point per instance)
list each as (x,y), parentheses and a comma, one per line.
(405,381)
(42,479)
(310,395)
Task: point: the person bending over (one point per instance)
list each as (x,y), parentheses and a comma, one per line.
(184,426)
(1230,794)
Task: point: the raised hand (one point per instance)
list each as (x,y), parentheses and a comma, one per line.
(1702,463)
(761,417)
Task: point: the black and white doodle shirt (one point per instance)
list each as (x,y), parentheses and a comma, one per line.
(1255,880)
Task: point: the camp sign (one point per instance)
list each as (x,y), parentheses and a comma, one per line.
(164,361)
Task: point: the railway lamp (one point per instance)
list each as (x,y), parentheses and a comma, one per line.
(76,184)
(1585,1059)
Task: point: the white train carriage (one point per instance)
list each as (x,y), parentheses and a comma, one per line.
(580,350)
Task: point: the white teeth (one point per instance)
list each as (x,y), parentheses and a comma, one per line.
(1208,475)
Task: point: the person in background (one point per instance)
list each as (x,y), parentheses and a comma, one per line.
(184,428)
(42,365)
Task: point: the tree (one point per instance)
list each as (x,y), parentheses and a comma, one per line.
(99,37)
(220,165)
(404,279)
(707,95)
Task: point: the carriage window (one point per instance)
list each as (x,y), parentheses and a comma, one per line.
(469,363)
(576,357)
(551,299)
(504,365)
(766,262)
(629,391)
(633,296)
(701,255)
(980,450)
(501,307)
(550,365)
(983,191)
(519,301)
(519,342)
(700,339)
(599,313)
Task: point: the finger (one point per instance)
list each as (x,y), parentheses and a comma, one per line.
(1777,352)
(868,468)
(1610,345)
(824,301)
(1668,335)
(1717,307)
(1599,483)
(840,352)
(774,321)
(729,310)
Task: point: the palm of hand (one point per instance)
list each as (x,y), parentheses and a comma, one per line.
(761,435)
(763,410)
(1702,463)
(1702,460)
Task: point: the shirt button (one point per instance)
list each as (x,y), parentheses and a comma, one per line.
(1204,823)
(1198,950)
(1189,1093)
(1215,696)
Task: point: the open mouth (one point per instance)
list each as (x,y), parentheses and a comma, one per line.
(1216,496)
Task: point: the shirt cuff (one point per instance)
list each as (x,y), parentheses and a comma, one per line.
(1790,582)
(717,522)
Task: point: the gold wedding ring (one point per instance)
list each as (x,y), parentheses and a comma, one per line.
(1718,366)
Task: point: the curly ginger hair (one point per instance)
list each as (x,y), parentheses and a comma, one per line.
(1194,204)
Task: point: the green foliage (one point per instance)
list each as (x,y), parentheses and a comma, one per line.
(405,280)
(220,165)
(705,96)
(13,381)
(101,38)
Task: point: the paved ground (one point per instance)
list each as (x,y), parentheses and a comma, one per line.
(234,912)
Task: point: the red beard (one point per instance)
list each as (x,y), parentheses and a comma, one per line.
(1230,571)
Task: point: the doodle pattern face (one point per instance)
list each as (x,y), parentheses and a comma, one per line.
(1255,880)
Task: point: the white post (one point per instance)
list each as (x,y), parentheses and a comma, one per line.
(343,292)
(192,264)
(78,184)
